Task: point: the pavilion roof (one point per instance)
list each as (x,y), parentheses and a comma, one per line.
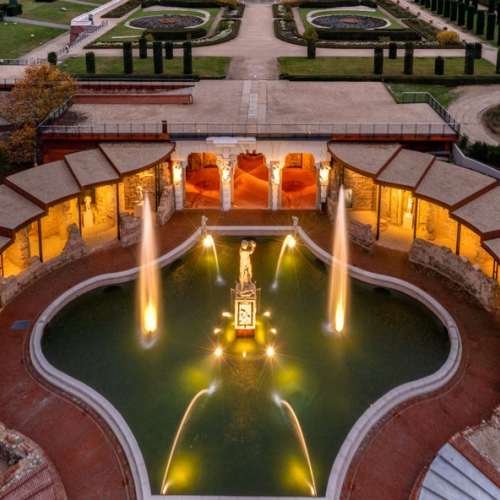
(91,168)
(45,185)
(5,242)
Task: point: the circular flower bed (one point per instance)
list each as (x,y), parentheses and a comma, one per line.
(349,21)
(167,21)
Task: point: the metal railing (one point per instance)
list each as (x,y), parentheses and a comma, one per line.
(22,62)
(391,131)
(425,97)
(56,113)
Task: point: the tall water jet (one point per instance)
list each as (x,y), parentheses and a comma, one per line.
(208,242)
(209,391)
(149,281)
(339,276)
(288,243)
(300,436)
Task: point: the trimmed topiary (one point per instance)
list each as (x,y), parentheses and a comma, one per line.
(408,65)
(469,59)
(378,60)
(446,9)
(428,4)
(481,15)
(461,14)
(470,17)
(478,50)
(393,50)
(453,10)
(187,49)
(169,50)
(497,68)
(52,58)
(491,6)
(440,7)
(448,38)
(311,48)
(143,48)
(439,66)
(128,61)
(476,5)
(490,26)
(434,5)
(157,58)
(90,63)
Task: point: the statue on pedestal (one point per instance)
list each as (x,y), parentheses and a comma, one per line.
(88,201)
(246,249)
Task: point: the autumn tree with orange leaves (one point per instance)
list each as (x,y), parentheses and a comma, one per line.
(42,90)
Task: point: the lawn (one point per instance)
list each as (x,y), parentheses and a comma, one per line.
(121,32)
(202,66)
(444,95)
(378,13)
(363,66)
(51,12)
(16,39)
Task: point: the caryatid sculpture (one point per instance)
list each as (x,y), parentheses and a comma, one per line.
(246,249)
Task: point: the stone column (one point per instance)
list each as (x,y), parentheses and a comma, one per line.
(226,169)
(275,183)
(179,170)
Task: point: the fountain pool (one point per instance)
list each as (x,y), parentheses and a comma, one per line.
(236,440)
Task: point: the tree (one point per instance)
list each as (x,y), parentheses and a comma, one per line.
(408,64)
(470,50)
(128,61)
(378,60)
(90,63)
(187,57)
(157,57)
(42,90)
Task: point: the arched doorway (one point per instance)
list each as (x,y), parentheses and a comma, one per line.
(299,181)
(251,181)
(202,181)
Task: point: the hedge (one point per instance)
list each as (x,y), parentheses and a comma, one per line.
(439,66)
(423,28)
(378,60)
(90,63)
(362,35)
(176,34)
(182,3)
(327,4)
(395,10)
(157,58)
(481,15)
(128,61)
(122,9)
(469,59)
(234,14)
(14,9)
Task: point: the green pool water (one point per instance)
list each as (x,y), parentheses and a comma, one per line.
(238,441)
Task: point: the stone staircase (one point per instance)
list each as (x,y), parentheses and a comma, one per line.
(452,477)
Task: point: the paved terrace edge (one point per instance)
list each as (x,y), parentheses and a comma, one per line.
(358,432)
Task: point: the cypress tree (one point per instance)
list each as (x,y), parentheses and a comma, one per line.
(491,6)
(439,66)
(469,59)
(461,14)
(497,69)
(143,48)
(169,50)
(478,50)
(498,14)
(408,66)
(157,58)
(498,38)
(433,5)
(393,50)
(454,10)
(378,60)
(481,14)
(476,5)
(428,4)
(311,48)
(128,62)
(188,57)
(90,63)
(470,17)
(52,58)
(490,26)
(446,10)
(440,7)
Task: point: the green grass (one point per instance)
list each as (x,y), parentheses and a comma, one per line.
(202,66)
(16,40)
(444,95)
(51,12)
(121,30)
(359,66)
(378,14)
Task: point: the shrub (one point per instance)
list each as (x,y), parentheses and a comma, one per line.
(1,15)
(128,62)
(288,17)
(122,9)
(476,5)
(143,48)
(479,151)
(157,58)
(310,34)
(490,26)
(408,65)
(461,14)
(311,48)
(90,63)
(187,57)
(439,66)
(470,17)
(440,7)
(491,6)
(469,59)
(393,50)
(478,50)
(52,58)
(169,50)
(434,5)
(481,15)
(446,9)
(378,61)
(448,38)
(14,9)
(453,10)
(427,4)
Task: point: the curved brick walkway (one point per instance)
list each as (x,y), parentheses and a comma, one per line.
(89,460)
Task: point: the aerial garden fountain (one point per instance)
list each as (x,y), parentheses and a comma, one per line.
(250,389)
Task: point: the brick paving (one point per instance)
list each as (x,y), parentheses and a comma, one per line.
(90,461)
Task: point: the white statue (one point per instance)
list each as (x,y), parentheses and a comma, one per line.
(246,249)
(409,206)
(295,220)
(226,173)
(204,225)
(276,175)
(88,201)
(139,194)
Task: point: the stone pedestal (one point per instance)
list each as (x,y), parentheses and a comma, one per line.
(245,309)
(408,221)
(88,219)
(138,206)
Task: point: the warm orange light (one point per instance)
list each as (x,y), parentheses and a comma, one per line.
(267,314)
(216,331)
(218,352)
(270,352)
(274,331)
(226,314)
(208,241)
(291,242)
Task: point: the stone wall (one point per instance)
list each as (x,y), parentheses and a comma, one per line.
(105,205)
(130,229)
(458,269)
(363,188)
(19,252)
(166,207)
